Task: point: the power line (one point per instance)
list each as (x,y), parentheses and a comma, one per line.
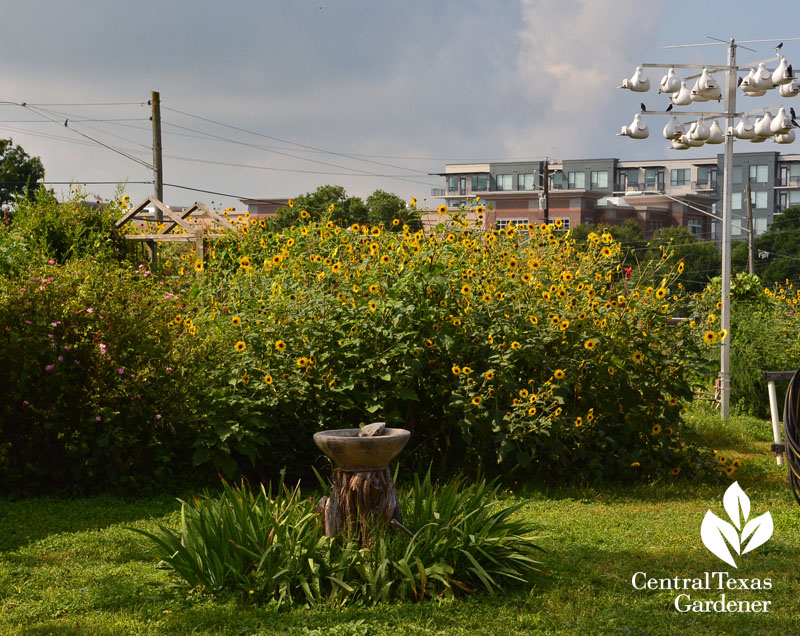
(286,141)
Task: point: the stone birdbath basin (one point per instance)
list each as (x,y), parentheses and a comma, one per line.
(363,497)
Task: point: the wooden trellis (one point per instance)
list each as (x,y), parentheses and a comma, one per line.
(199,222)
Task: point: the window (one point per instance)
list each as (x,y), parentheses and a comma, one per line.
(633,177)
(480,182)
(503,181)
(599,179)
(707,176)
(576,180)
(736,201)
(695,225)
(452,182)
(759,226)
(654,178)
(525,181)
(502,224)
(564,223)
(758,174)
(736,174)
(759,199)
(558,181)
(679,176)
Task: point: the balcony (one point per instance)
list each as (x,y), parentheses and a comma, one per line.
(438,192)
(704,185)
(657,186)
(790,182)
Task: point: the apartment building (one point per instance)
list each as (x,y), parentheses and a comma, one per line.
(654,193)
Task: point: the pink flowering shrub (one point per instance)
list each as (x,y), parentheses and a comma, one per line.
(99,367)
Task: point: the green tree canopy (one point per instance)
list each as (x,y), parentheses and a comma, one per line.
(20,173)
(781,243)
(701,259)
(332,201)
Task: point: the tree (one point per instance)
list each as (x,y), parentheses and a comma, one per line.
(20,174)
(701,259)
(385,207)
(782,244)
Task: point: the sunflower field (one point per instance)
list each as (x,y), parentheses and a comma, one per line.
(515,351)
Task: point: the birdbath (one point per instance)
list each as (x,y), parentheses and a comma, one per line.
(363,497)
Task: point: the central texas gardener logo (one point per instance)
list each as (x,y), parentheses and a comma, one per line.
(742,535)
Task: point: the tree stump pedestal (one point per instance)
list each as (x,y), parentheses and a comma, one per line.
(363,498)
(361,503)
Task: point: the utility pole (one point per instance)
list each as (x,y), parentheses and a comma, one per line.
(751,266)
(545,190)
(158,172)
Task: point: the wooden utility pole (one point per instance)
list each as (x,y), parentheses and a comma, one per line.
(158,172)
(751,266)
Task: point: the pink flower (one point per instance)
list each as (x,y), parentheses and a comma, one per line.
(121,371)
(99,419)
(102,349)
(51,262)
(158,416)
(90,310)
(26,403)
(49,367)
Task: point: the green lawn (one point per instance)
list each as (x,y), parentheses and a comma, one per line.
(73,567)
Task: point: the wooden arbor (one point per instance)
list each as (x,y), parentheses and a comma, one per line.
(196,224)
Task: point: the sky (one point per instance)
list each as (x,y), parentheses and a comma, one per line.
(277,97)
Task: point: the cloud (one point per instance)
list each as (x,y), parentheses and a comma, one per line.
(572,56)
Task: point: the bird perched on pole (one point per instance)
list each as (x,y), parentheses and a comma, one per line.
(644,108)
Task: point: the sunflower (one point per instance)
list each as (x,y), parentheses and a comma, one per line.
(236,321)
(240,346)
(559,374)
(638,357)
(709,337)
(489,375)
(268,379)
(480,209)
(674,472)
(477,400)
(578,421)
(244,261)
(558,223)
(466,289)
(442,209)
(336,268)
(606,251)
(532,410)
(661,292)
(304,214)
(280,345)
(455,369)
(515,345)
(372,305)
(590,344)
(656,429)
(198,266)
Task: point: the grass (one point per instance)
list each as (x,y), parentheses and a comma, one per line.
(73,567)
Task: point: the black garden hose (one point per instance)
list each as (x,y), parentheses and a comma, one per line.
(791,432)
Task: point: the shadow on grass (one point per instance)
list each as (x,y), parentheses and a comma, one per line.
(29,520)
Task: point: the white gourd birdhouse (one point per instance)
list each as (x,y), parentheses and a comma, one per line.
(638,83)
(747,80)
(785,138)
(745,129)
(700,130)
(683,97)
(674,129)
(762,127)
(696,93)
(781,74)
(762,78)
(715,134)
(637,129)
(707,86)
(791,89)
(670,83)
(782,124)
(687,139)
(677,144)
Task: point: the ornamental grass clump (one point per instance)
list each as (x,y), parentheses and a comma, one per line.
(268,545)
(507,350)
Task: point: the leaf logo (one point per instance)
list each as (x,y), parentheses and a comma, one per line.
(718,534)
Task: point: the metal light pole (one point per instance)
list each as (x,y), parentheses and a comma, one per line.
(725,350)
